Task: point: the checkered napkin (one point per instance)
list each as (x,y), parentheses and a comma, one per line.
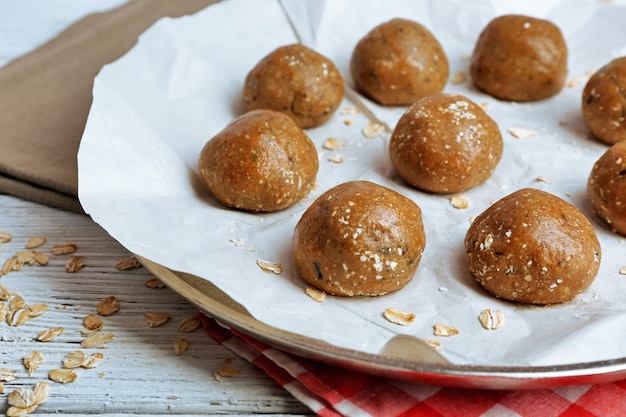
(331,391)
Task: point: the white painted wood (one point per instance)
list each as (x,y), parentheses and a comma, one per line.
(140,373)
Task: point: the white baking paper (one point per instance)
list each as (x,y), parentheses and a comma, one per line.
(156,107)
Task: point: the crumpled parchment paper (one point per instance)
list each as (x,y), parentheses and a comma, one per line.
(156,107)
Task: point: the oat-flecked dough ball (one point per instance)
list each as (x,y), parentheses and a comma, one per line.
(445,144)
(520,58)
(604,102)
(297,81)
(533,247)
(359,239)
(261,162)
(606,187)
(398,63)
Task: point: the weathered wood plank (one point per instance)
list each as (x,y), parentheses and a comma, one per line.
(140,373)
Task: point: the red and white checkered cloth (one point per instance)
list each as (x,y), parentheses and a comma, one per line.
(331,391)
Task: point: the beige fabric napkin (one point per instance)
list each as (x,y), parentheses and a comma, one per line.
(45,98)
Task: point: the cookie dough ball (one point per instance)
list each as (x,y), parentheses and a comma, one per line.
(359,238)
(520,58)
(606,187)
(604,102)
(533,247)
(298,81)
(445,144)
(398,63)
(261,161)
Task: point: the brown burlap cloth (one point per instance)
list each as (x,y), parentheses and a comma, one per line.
(45,98)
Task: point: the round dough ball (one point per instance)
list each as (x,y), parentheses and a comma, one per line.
(533,247)
(398,63)
(359,238)
(604,102)
(445,144)
(297,81)
(606,187)
(261,161)
(520,58)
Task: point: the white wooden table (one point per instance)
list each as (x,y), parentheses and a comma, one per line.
(140,372)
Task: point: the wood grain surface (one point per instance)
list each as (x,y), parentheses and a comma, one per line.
(140,373)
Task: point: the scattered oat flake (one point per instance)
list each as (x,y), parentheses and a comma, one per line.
(19,313)
(127,264)
(400,317)
(18,317)
(32,362)
(333,144)
(49,334)
(273,267)
(63,376)
(7,375)
(74,359)
(623,271)
(108,306)
(24,401)
(41,258)
(350,110)
(445,330)
(226,371)
(25,257)
(491,319)
(5,293)
(41,390)
(543,179)
(348,122)
(74,264)
(11,265)
(460,201)
(154,282)
(96,339)
(17,303)
(21,398)
(92,322)
(315,294)
(35,242)
(5,237)
(36,310)
(189,324)
(4,310)
(459,77)
(20,412)
(63,248)
(433,343)
(180,346)
(156,319)
(337,159)
(373,129)
(1,388)
(93,361)
(521,132)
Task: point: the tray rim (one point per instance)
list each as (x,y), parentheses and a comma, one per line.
(228,312)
